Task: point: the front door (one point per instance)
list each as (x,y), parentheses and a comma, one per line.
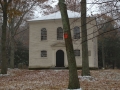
(59,58)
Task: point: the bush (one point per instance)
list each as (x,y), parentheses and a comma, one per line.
(21,56)
(22,66)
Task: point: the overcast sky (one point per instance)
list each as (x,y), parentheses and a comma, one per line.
(91,8)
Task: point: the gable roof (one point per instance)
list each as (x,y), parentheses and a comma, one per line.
(57,15)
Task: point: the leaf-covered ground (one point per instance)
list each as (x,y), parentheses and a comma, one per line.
(17,79)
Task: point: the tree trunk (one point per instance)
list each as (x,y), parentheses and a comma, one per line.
(12,46)
(85,62)
(73,76)
(3,40)
(115,63)
(12,53)
(103,54)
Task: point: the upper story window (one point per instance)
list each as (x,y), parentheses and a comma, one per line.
(59,33)
(76,32)
(77,52)
(44,53)
(43,34)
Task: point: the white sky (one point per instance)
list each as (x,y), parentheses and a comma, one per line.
(91,8)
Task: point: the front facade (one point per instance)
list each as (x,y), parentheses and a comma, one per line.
(47,46)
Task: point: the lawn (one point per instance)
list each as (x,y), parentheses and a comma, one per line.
(17,79)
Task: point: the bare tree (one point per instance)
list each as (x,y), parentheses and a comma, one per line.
(4,5)
(17,16)
(73,76)
(85,61)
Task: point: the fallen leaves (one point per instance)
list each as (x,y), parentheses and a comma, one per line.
(17,79)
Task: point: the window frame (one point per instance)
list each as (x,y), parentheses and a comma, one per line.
(89,52)
(43,34)
(77,52)
(59,33)
(76,32)
(43,53)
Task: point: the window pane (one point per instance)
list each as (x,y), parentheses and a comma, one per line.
(76,32)
(43,53)
(77,52)
(43,34)
(59,33)
(89,53)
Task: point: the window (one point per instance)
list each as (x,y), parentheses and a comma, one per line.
(76,32)
(89,53)
(43,34)
(59,33)
(43,53)
(77,52)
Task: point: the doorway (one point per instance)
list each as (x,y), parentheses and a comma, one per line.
(59,58)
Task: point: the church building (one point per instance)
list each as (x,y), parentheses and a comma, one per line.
(47,46)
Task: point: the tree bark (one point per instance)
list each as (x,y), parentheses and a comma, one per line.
(3,39)
(73,76)
(12,46)
(103,54)
(85,61)
(12,50)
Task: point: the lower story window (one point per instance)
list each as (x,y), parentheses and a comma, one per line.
(44,53)
(77,52)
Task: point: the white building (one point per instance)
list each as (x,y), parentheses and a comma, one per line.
(47,46)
